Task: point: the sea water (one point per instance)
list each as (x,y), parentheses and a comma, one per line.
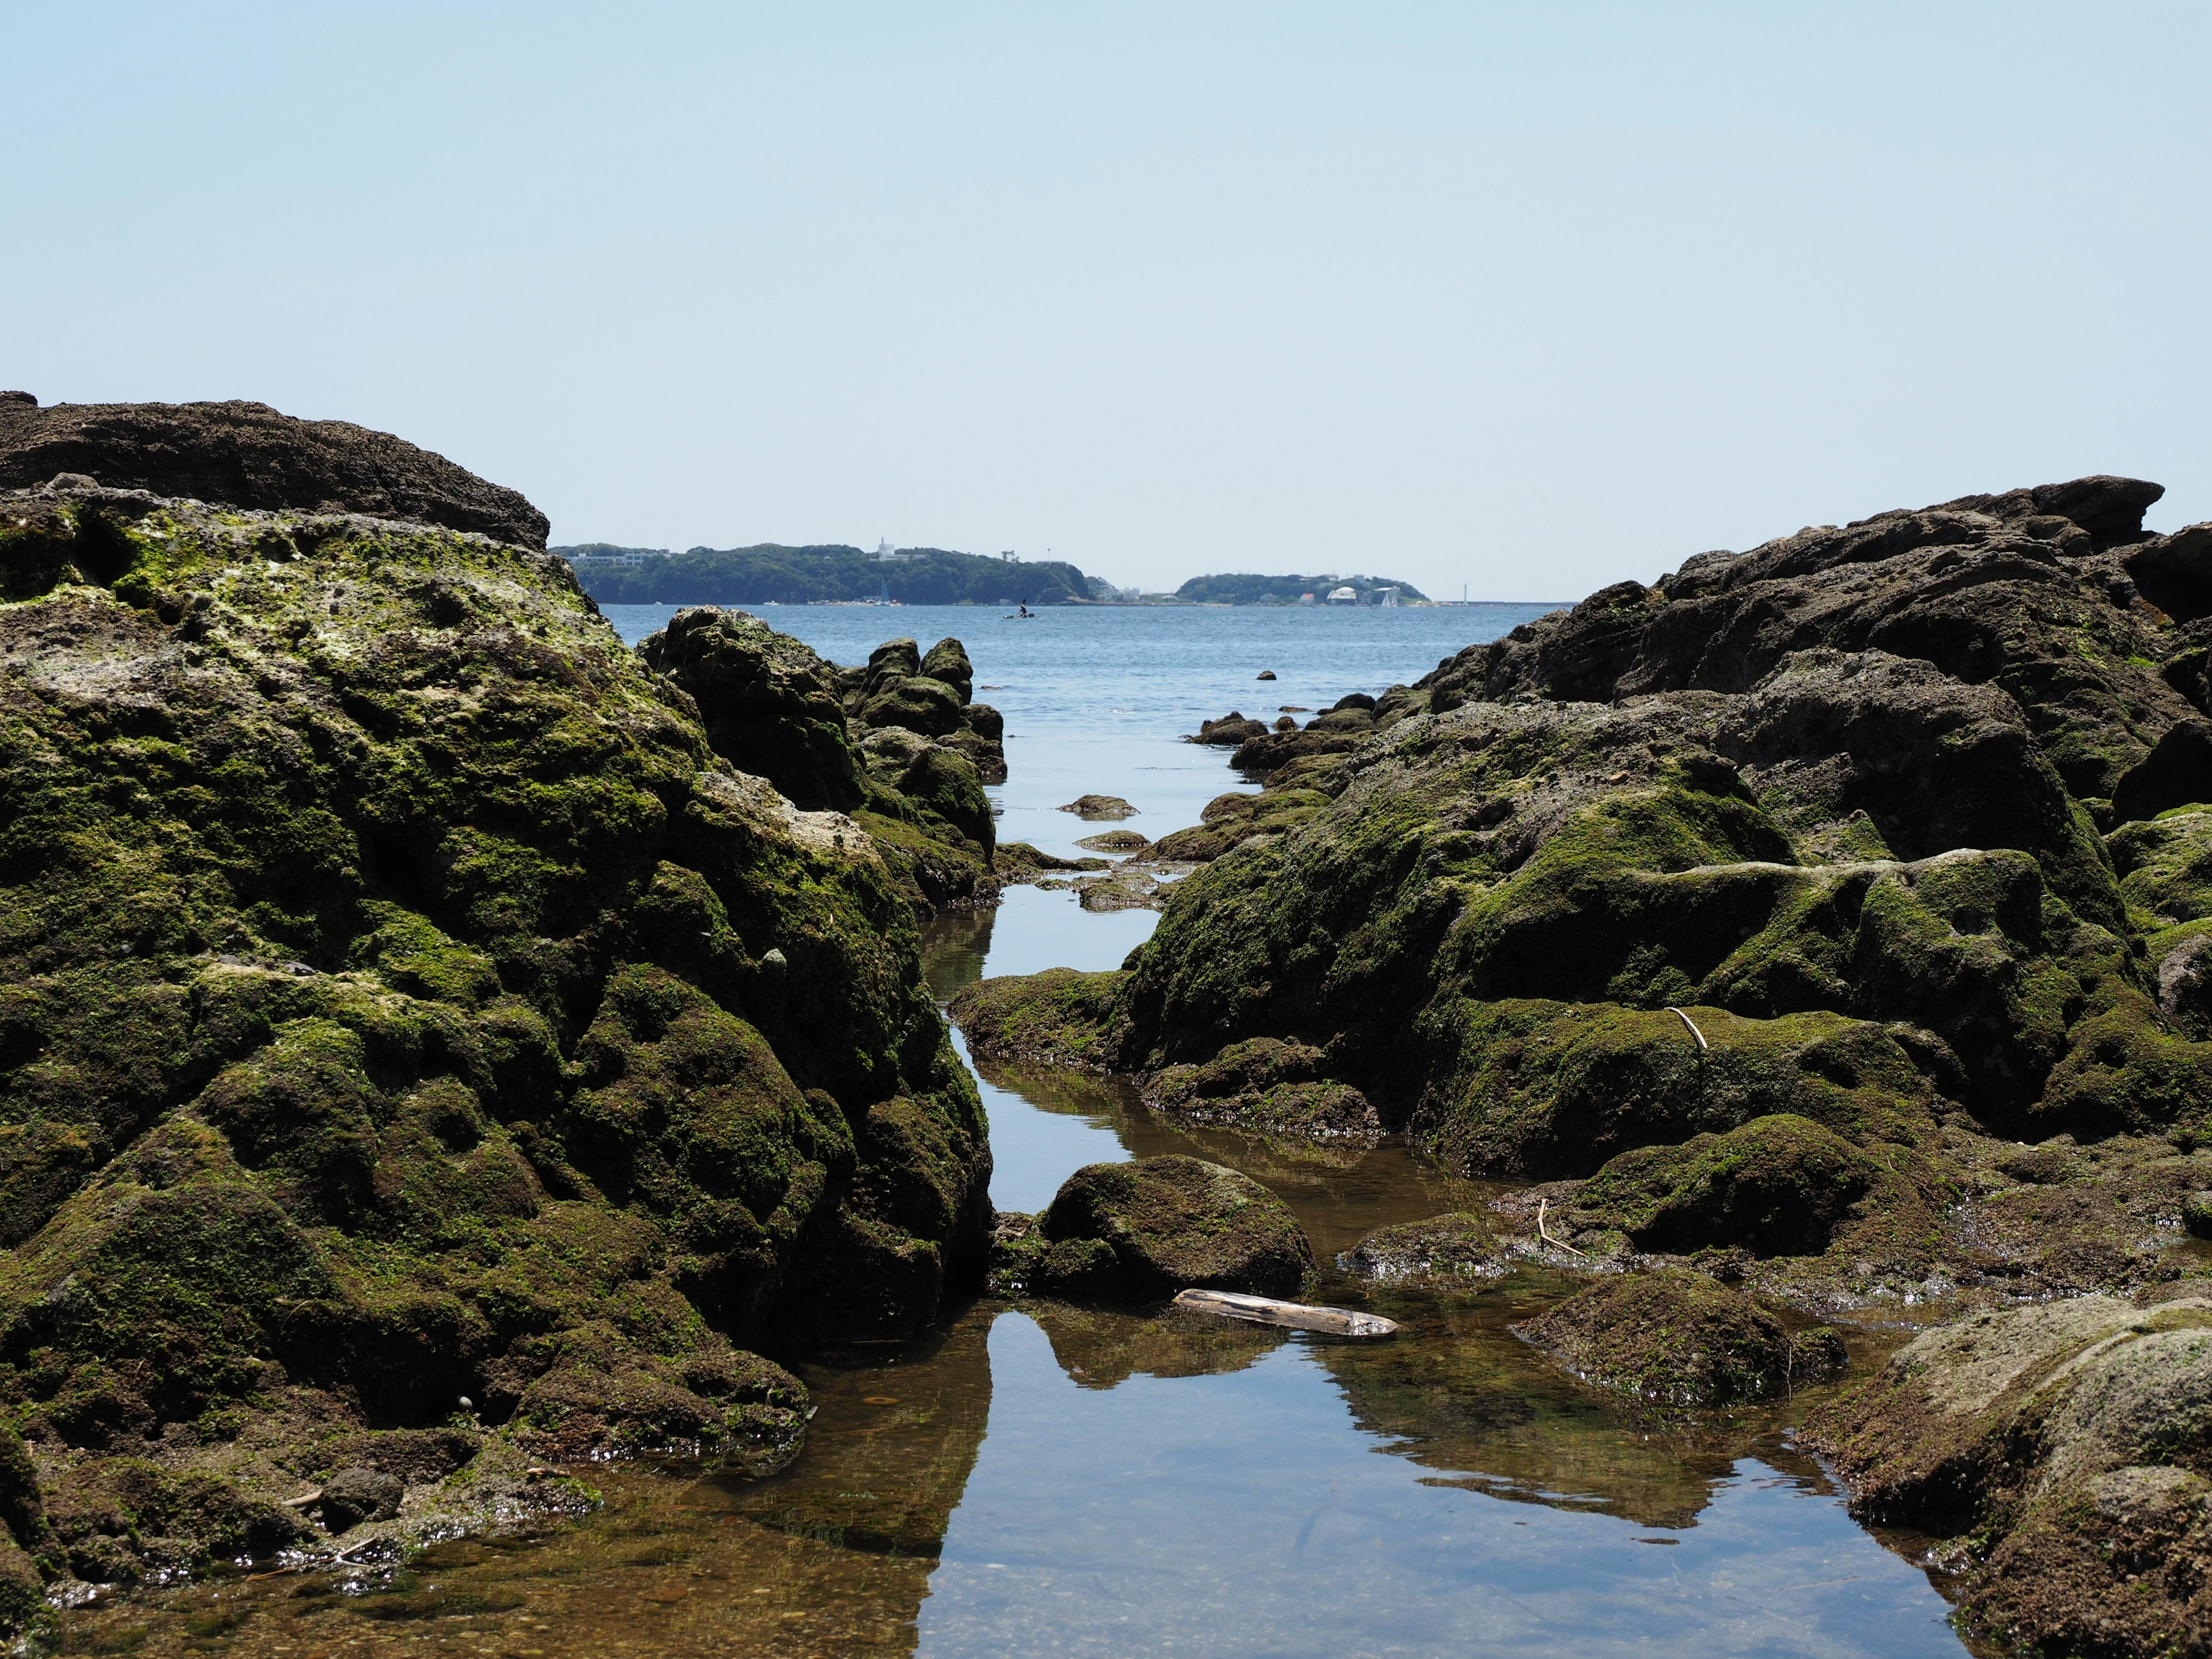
(1043,1480)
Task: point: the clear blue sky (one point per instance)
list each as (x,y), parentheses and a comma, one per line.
(1529,298)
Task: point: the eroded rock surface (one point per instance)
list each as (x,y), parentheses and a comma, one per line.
(1832,916)
(414,1016)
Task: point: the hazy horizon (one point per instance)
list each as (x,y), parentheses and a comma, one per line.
(1526,299)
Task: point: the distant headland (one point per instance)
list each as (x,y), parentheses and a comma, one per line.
(832,573)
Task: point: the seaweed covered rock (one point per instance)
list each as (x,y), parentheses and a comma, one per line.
(773,708)
(933,698)
(404,1001)
(1160,1224)
(1778,1185)
(1268,1086)
(2067,1445)
(770,705)
(1879,847)
(1676,1338)
(1445,1250)
(1058,1018)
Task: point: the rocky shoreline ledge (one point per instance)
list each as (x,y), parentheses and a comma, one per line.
(438,1045)
(1817,933)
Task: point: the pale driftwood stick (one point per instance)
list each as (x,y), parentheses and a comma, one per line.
(1544,1233)
(1702,1044)
(1299,1315)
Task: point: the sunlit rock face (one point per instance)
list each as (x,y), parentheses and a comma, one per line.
(410,1002)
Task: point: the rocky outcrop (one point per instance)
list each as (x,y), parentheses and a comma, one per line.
(1830,916)
(246,454)
(408,1009)
(909,763)
(931,697)
(2063,1450)
(1143,1230)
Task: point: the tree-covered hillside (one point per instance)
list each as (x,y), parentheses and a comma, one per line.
(1287,590)
(798,575)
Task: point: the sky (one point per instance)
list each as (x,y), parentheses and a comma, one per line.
(1520,300)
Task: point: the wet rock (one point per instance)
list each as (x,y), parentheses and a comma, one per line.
(1090,808)
(1232,729)
(1779,1185)
(2065,1438)
(1057,1017)
(1115,841)
(249,455)
(355,1495)
(1446,1250)
(2196,1214)
(1160,1224)
(1265,674)
(1269,1086)
(1676,1338)
(1016,860)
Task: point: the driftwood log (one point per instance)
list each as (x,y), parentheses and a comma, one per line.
(1300,1316)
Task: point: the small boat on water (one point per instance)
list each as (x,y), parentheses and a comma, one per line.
(1299,1315)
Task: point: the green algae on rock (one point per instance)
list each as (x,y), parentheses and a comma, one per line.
(1677,1338)
(1144,1229)
(2063,1446)
(405,1001)
(1455,1249)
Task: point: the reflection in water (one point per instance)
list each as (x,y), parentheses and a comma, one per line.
(1240,1512)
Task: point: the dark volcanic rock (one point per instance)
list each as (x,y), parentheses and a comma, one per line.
(246,454)
(1161,1225)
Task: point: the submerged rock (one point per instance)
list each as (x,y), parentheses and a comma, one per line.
(1232,729)
(1677,1338)
(1157,1225)
(1445,1250)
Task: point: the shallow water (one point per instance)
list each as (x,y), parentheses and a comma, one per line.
(1049,1480)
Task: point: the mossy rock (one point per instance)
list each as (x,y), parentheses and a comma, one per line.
(1271,1087)
(2062,1441)
(1673,1337)
(1161,1224)
(770,705)
(1456,1250)
(1778,1185)
(1547,1089)
(404,992)
(1057,1017)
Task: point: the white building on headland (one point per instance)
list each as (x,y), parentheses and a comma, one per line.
(1344,596)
